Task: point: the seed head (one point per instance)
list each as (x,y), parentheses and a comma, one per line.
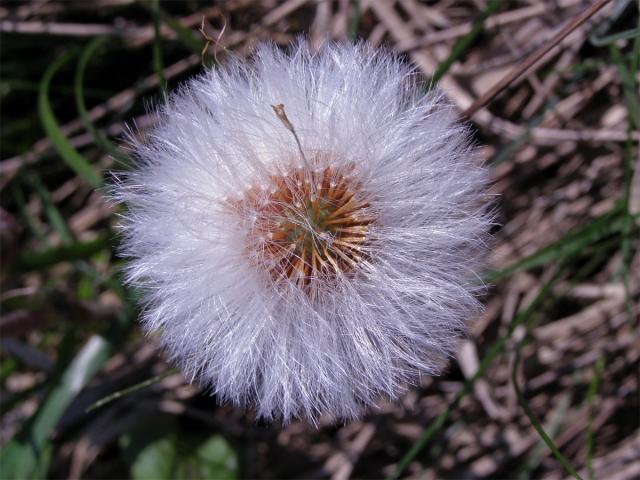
(306,229)
(309,227)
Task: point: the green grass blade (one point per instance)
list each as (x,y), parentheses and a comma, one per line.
(51,126)
(534,420)
(507,151)
(630,88)
(615,37)
(461,46)
(591,393)
(79,94)
(76,251)
(27,218)
(558,417)
(129,390)
(493,352)
(628,85)
(354,21)
(595,258)
(608,224)
(186,36)
(27,455)
(635,59)
(51,211)
(522,318)
(86,363)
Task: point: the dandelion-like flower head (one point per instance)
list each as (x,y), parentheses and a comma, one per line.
(306,228)
(309,226)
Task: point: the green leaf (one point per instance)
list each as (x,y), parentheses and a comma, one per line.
(74,251)
(69,154)
(159,452)
(537,306)
(25,214)
(51,211)
(555,423)
(437,423)
(27,455)
(216,459)
(583,271)
(628,234)
(79,93)
(156,461)
(461,46)
(608,224)
(534,420)
(615,37)
(186,36)
(129,390)
(354,20)
(628,85)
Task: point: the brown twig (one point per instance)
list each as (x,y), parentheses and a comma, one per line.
(433,37)
(532,59)
(73,29)
(210,40)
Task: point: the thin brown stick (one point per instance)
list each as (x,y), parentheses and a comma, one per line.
(497,20)
(73,29)
(210,40)
(533,58)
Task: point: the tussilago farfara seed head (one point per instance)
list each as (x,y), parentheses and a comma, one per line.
(307,228)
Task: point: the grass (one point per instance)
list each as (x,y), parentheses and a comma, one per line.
(50,124)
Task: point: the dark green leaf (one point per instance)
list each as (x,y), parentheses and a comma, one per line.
(75,251)
(27,455)
(69,154)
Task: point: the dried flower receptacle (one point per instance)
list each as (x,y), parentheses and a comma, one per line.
(308,225)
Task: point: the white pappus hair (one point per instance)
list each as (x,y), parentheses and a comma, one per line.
(307,258)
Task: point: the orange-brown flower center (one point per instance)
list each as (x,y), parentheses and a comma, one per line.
(308,225)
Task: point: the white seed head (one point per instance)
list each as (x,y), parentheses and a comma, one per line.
(307,278)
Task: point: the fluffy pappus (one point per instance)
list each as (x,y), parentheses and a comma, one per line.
(307,229)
